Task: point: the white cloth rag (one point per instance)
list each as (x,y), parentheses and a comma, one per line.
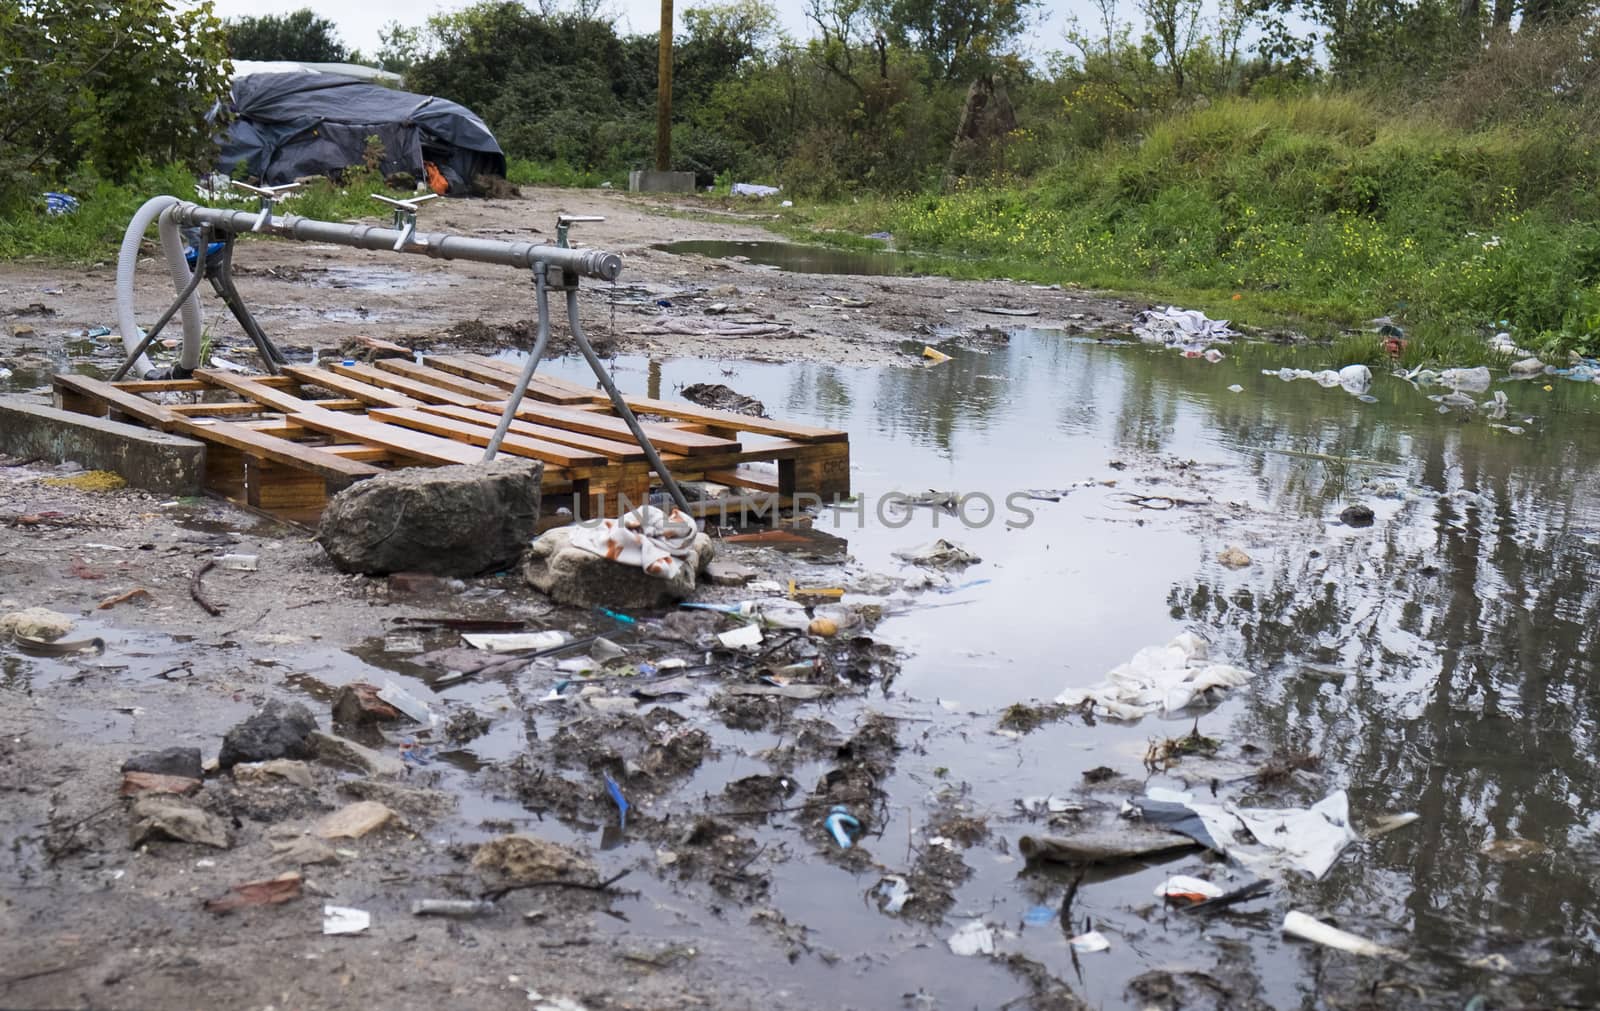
(659,543)
(1166,678)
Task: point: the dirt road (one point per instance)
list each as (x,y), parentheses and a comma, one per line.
(314,296)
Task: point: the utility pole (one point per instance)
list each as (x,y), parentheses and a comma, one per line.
(664,92)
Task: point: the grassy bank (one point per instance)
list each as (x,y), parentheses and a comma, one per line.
(1319,213)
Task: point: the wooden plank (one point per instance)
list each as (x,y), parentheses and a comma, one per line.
(368,454)
(479,435)
(687,412)
(250,407)
(268,447)
(741,478)
(505,374)
(607,448)
(114,397)
(663,436)
(364,392)
(188,385)
(420,392)
(350,427)
(441,379)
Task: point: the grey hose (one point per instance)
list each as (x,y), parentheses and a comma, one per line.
(177,266)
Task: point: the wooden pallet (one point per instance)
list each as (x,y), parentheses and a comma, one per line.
(283,444)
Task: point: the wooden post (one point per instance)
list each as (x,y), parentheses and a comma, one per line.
(664,92)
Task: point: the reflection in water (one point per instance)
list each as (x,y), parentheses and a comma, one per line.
(1439,661)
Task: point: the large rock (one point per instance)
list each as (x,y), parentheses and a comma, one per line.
(572,575)
(182,762)
(278,731)
(448,521)
(35,623)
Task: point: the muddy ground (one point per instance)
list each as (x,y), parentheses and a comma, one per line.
(92,921)
(315,296)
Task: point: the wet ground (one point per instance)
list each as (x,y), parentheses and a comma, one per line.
(1438,661)
(798,256)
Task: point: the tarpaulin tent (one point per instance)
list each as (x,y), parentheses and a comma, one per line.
(290,125)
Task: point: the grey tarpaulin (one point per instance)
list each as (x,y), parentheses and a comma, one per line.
(284,126)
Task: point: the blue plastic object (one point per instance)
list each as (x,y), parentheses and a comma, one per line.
(622,802)
(837,821)
(59,203)
(190,253)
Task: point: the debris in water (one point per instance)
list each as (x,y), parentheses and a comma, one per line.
(934,355)
(622,802)
(1188,889)
(1389,822)
(896,892)
(515,642)
(451,907)
(744,635)
(1174,326)
(720,397)
(1233,558)
(1091,942)
(1505,851)
(1357,515)
(1166,678)
(1306,839)
(407,703)
(1298,924)
(973,938)
(1125,841)
(939,554)
(839,822)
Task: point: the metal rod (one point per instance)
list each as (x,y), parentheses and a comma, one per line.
(222,283)
(521,389)
(620,404)
(580,262)
(172,310)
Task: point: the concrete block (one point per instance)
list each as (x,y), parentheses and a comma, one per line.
(155,461)
(651,181)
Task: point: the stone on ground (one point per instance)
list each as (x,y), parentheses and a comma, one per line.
(163,816)
(184,762)
(278,731)
(446,521)
(35,623)
(522,859)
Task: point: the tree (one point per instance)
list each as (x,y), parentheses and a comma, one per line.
(298,36)
(1176,26)
(718,39)
(399,48)
(112,85)
(961,39)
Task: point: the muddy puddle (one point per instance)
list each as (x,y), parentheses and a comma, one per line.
(799,257)
(1437,661)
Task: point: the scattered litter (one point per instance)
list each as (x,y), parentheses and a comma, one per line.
(1236,388)
(271,892)
(754,190)
(1188,889)
(1298,924)
(1505,851)
(1039,915)
(461,908)
(745,635)
(354,820)
(1474,380)
(1109,845)
(137,593)
(514,642)
(839,822)
(1354,379)
(1166,678)
(542,1003)
(973,938)
(1389,822)
(56,204)
(996,310)
(934,355)
(1181,327)
(622,802)
(239,563)
(407,703)
(660,543)
(825,628)
(1305,839)
(1233,558)
(723,398)
(344,920)
(896,892)
(939,554)
(801,693)
(1091,942)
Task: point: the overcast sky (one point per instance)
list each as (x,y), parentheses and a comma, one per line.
(359,22)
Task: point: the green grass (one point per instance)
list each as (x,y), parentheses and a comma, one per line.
(522,172)
(1315,213)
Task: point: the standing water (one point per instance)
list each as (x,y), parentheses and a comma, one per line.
(1439,661)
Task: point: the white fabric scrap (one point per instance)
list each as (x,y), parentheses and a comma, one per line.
(1165,678)
(1307,839)
(659,543)
(1181,326)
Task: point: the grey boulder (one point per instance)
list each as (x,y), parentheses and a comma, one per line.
(278,731)
(447,521)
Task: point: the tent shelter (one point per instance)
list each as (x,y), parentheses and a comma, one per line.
(289,125)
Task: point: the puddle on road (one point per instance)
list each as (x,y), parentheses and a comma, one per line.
(1439,661)
(799,257)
